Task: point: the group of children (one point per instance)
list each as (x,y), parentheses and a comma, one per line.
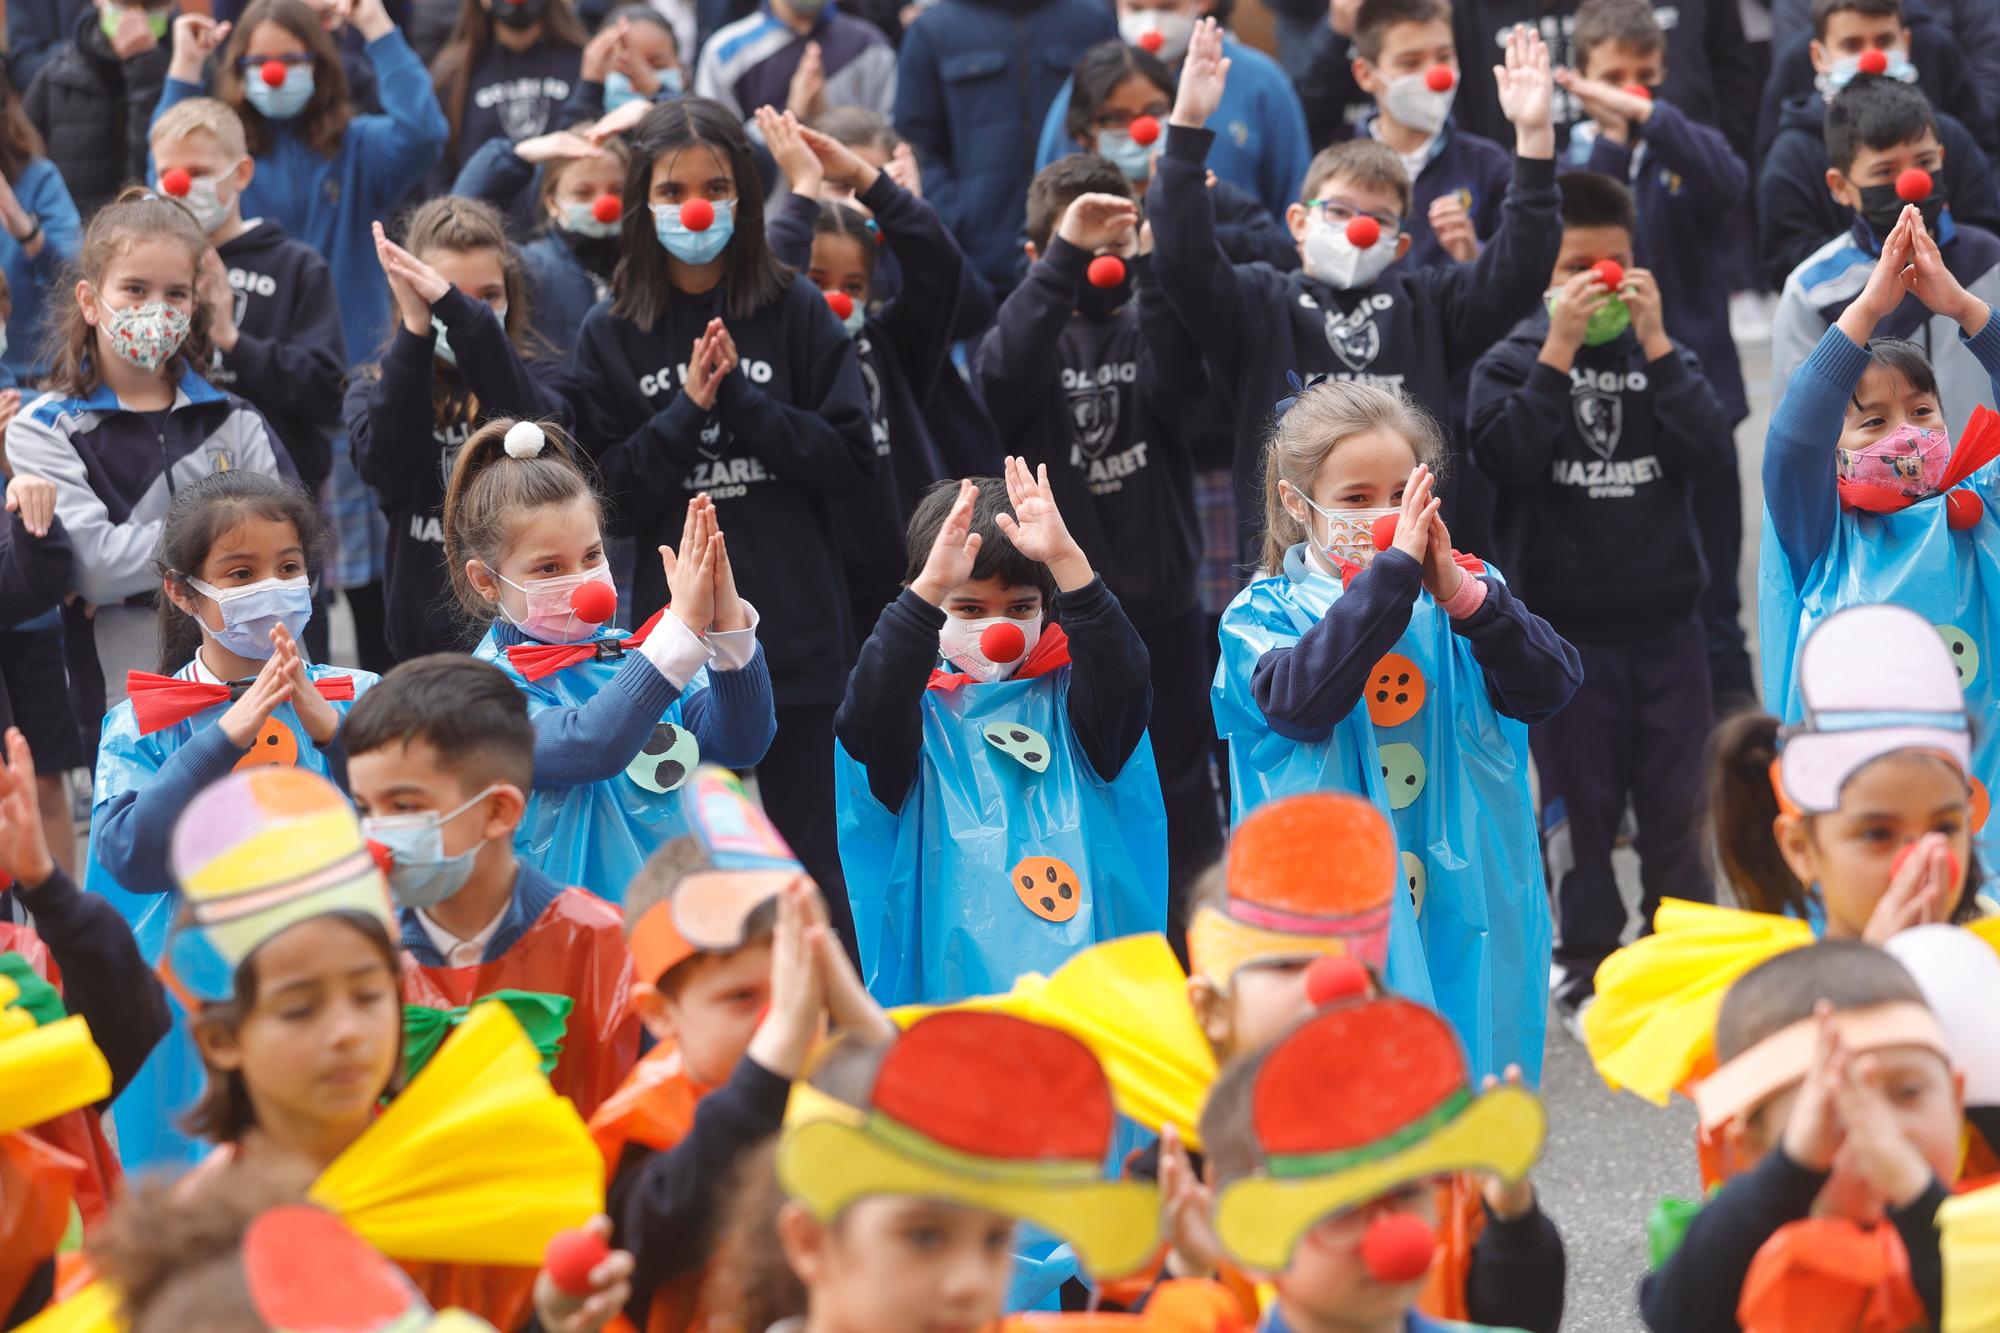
(1090,939)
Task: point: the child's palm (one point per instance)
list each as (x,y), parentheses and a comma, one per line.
(1525,84)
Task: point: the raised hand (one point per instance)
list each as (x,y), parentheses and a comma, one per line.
(842,165)
(320,719)
(1094,221)
(245,718)
(1508,1202)
(601,52)
(413,284)
(370,19)
(848,1002)
(797,1010)
(614,123)
(610,1290)
(691,572)
(196,38)
(31,497)
(1442,575)
(1641,294)
(1036,526)
(1581,296)
(903,170)
(1887,285)
(1204,75)
(1874,1147)
(729,609)
(133,36)
(806,97)
(1420,506)
(1525,89)
(800,163)
(24,845)
(1921,892)
(953,552)
(703,377)
(1813,1132)
(1614,109)
(1452,226)
(561,146)
(1935,285)
(1193,1250)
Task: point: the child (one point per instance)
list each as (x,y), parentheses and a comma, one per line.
(508,67)
(323,172)
(619,721)
(273,319)
(1870,524)
(1009,731)
(635,56)
(1879,133)
(1457,179)
(35,559)
(1840,1109)
(42,237)
(440,761)
(756,60)
(1450,668)
(457,286)
(1342,318)
(904,347)
(1099,387)
(713,370)
(92,98)
(129,422)
(1597,396)
(236,553)
(1324,1149)
(736,968)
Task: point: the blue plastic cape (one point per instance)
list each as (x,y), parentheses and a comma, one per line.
(596,836)
(1912,559)
(1010,853)
(1472,934)
(171,1079)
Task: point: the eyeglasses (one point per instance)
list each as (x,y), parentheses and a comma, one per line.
(1122,120)
(1340,215)
(248,63)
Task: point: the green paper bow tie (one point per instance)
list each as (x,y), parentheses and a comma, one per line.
(545,1017)
(42,1001)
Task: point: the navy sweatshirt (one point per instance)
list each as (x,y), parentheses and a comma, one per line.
(1943,72)
(567,274)
(290,358)
(1410,330)
(789,434)
(904,349)
(511,95)
(1698,1288)
(881,721)
(1686,181)
(1100,399)
(34,571)
(1306,689)
(1476,169)
(1795,213)
(405,444)
(1597,470)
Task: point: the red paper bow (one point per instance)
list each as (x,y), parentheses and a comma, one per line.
(537,660)
(1978,446)
(1051,651)
(1831,1273)
(160,701)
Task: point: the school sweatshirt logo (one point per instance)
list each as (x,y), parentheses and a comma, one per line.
(1093,406)
(1354,337)
(1600,419)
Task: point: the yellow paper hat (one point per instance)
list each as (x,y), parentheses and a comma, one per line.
(1969,1241)
(985,1110)
(1357,1101)
(46,1070)
(255,854)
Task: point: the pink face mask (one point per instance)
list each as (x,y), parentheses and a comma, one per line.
(1910,460)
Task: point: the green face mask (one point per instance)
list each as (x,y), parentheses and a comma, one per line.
(113,14)
(1611,319)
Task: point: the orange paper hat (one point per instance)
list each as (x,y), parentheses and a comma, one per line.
(1359,1100)
(709,912)
(1831,1273)
(1307,875)
(985,1110)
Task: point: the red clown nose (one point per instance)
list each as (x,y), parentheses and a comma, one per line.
(840,303)
(608,208)
(1105,271)
(1334,978)
(176,182)
(697,214)
(272,73)
(1609,272)
(1914,186)
(1151,42)
(1873,62)
(1398,1248)
(1363,232)
(1145,130)
(1003,643)
(1963,509)
(1440,78)
(1953,871)
(570,1257)
(594,602)
(1640,91)
(1384,532)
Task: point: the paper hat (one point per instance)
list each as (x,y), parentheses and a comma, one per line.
(985,1110)
(1355,1102)
(1307,875)
(709,911)
(255,854)
(1873,680)
(1959,975)
(347,1287)
(45,1068)
(1784,1057)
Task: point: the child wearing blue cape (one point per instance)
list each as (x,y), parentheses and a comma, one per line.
(1409,676)
(237,554)
(1000,812)
(621,721)
(1866,500)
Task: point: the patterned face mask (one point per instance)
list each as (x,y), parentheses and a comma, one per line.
(145,335)
(1910,460)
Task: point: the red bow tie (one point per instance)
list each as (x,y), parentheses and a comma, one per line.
(160,701)
(537,660)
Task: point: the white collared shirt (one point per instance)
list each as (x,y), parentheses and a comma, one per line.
(455,951)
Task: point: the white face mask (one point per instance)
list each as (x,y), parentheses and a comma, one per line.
(1174,27)
(959,641)
(1410,100)
(1338,262)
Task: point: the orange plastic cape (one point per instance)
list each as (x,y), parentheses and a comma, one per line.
(1831,1273)
(37,1183)
(80,1133)
(1175,1307)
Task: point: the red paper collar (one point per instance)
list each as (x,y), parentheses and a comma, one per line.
(1976,447)
(158,702)
(1051,651)
(536,661)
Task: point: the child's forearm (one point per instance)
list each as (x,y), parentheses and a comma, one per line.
(1800,489)
(1305,690)
(880,723)
(596,740)
(1110,688)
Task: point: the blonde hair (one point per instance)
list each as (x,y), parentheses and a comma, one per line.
(1313,427)
(490,491)
(202,115)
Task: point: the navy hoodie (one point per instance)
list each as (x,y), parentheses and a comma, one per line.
(290,358)
(904,349)
(511,95)
(405,445)
(1408,330)
(1686,181)
(1462,163)
(1100,400)
(1796,214)
(567,274)
(789,434)
(1597,470)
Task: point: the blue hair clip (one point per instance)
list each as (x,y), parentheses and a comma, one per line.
(1284,405)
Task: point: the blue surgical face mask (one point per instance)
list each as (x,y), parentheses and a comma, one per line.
(618,90)
(420,874)
(1844,69)
(1122,151)
(855,319)
(250,612)
(694,247)
(284,101)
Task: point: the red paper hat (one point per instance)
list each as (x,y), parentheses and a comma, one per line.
(308,1273)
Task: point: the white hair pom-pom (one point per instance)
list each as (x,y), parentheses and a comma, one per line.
(525,440)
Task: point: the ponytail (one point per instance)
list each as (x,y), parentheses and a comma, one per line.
(489,492)
(1743,805)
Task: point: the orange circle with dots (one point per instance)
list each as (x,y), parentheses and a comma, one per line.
(274,747)
(1048,887)
(1982,803)
(1395,691)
